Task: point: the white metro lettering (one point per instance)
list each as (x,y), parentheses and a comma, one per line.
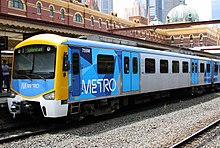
(28,86)
(103,84)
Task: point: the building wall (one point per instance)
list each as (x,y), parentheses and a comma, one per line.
(210,37)
(196,36)
(71,10)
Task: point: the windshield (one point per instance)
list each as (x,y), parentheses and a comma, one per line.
(34,62)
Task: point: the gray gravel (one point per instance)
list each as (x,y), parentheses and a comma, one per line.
(158,127)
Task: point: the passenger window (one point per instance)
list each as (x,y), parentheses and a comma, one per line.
(185,67)
(175,66)
(216,68)
(75,64)
(149,65)
(163,66)
(193,67)
(126,65)
(105,64)
(202,67)
(208,68)
(196,68)
(135,65)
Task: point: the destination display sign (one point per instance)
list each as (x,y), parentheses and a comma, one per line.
(34,49)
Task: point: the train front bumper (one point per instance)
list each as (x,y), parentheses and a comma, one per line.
(49,108)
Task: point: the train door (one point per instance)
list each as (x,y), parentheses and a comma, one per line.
(195,75)
(208,72)
(216,65)
(135,76)
(130,72)
(126,72)
(75,75)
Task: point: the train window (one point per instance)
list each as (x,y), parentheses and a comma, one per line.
(216,68)
(135,65)
(149,65)
(163,66)
(185,67)
(105,64)
(208,68)
(193,67)
(126,65)
(196,68)
(75,63)
(202,67)
(175,66)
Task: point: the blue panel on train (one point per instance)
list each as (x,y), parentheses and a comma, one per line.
(216,71)
(126,71)
(33,87)
(208,73)
(94,83)
(195,74)
(135,70)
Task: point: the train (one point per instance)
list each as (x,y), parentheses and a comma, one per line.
(58,76)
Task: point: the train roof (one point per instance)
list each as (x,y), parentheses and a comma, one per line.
(56,40)
(50,39)
(89,44)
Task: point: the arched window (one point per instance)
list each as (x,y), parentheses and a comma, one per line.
(119,25)
(92,21)
(51,11)
(172,39)
(78,18)
(136,32)
(38,7)
(100,23)
(191,38)
(200,37)
(107,24)
(16,4)
(62,15)
(114,24)
(181,38)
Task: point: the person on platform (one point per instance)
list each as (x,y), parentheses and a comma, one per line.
(6,76)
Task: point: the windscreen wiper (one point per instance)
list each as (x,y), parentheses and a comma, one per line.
(27,76)
(35,74)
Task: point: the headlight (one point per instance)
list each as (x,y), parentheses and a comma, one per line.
(12,94)
(50,96)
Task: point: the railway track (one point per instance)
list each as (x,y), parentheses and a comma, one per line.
(197,135)
(21,134)
(35,129)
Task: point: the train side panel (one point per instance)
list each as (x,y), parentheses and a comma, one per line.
(99,74)
(165,76)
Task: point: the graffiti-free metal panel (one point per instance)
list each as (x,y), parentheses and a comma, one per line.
(135,70)
(126,71)
(194,71)
(93,84)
